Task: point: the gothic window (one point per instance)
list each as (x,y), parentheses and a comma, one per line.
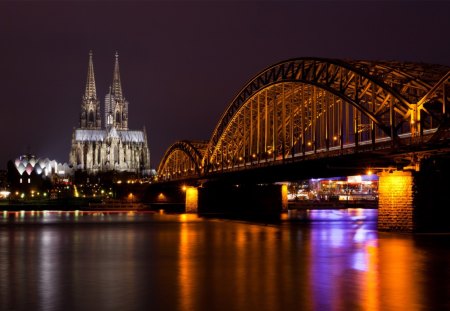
(91,116)
(79,156)
(142,158)
(85,152)
(116,154)
(117,117)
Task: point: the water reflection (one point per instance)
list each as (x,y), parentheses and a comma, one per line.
(343,255)
(134,261)
(48,277)
(70,217)
(402,286)
(186,266)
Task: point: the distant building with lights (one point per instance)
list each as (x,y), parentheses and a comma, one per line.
(4,184)
(28,172)
(97,149)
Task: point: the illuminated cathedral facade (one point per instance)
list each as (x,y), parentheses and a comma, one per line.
(112,147)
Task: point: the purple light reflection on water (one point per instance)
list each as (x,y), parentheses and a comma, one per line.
(340,215)
(137,261)
(340,242)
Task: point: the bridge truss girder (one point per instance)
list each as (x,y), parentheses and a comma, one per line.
(183,158)
(306,106)
(327,101)
(288,120)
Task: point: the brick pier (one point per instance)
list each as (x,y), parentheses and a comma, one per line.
(416,201)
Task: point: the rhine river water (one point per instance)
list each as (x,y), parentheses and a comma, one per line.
(324,260)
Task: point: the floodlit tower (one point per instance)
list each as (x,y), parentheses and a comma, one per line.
(116,107)
(90,117)
(109,104)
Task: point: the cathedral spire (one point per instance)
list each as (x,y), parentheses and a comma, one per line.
(117,86)
(91,91)
(90,117)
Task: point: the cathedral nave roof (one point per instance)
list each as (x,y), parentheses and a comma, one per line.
(102,135)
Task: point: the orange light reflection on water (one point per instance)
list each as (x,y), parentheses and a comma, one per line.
(188,263)
(371,292)
(401,277)
(186,267)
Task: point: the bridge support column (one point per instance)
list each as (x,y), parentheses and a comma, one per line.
(191,200)
(416,201)
(284,197)
(396,201)
(247,201)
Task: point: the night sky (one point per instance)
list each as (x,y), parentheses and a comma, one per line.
(181,62)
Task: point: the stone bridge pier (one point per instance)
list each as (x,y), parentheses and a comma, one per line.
(247,200)
(416,201)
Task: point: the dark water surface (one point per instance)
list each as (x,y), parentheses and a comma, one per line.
(143,261)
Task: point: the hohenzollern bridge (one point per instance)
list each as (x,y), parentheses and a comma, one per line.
(312,117)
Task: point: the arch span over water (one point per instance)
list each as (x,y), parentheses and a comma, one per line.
(312,105)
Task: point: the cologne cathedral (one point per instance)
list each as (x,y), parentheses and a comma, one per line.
(112,147)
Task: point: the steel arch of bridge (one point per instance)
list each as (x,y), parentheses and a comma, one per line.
(309,105)
(183,158)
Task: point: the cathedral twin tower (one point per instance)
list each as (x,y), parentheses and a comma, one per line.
(112,147)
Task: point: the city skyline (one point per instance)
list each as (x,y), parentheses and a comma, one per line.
(182,62)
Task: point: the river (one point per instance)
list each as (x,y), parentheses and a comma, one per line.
(315,260)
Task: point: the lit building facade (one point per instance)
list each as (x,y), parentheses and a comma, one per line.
(112,147)
(28,174)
